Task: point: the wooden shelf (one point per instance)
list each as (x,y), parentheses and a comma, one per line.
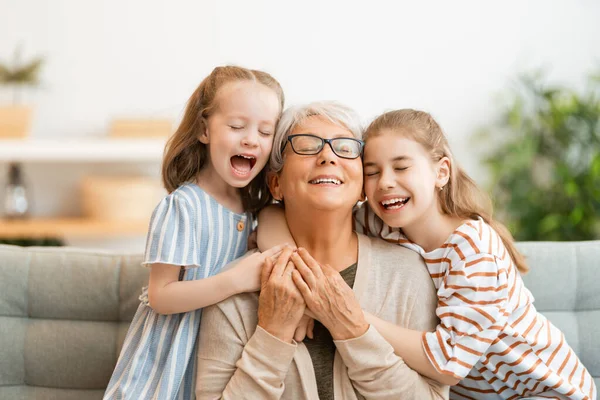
(73,227)
(82,150)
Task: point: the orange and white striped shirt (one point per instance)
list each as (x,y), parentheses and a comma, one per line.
(490,335)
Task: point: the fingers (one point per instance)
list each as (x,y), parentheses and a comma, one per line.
(309,313)
(310,262)
(305,271)
(265,273)
(282,262)
(287,273)
(300,334)
(301,285)
(310,329)
(274,251)
(301,329)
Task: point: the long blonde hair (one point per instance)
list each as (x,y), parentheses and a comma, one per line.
(185,155)
(460,197)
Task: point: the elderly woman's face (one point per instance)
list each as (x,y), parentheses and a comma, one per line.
(322,181)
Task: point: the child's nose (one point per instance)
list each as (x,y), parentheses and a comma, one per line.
(251,139)
(386,180)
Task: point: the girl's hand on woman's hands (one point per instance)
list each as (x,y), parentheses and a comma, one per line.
(304,328)
(247,272)
(280,305)
(328,297)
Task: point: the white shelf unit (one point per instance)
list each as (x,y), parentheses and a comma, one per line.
(82,150)
(77,151)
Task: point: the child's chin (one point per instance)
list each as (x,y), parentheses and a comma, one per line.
(239,183)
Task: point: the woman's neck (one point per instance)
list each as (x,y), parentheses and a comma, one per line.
(432,231)
(327,235)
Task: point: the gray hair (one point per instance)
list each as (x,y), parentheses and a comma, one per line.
(337,113)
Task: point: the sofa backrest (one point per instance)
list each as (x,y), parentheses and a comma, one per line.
(64,314)
(562,280)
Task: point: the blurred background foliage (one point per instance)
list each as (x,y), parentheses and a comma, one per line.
(545,160)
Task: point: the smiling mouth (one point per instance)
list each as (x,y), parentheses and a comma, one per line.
(395,203)
(325,181)
(243,164)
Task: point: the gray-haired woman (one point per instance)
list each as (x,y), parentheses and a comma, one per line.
(247,348)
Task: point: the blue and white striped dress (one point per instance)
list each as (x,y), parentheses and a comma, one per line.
(188,228)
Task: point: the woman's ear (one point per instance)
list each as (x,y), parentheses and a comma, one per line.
(442,172)
(274,187)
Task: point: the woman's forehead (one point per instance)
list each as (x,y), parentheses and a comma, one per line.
(321,126)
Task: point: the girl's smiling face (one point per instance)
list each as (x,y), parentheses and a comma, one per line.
(239,135)
(401,180)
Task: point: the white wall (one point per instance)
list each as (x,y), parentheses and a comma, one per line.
(144,58)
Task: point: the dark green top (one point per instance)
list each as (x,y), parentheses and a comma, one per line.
(322,348)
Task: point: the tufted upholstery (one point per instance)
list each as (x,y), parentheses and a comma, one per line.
(562,280)
(63,317)
(64,312)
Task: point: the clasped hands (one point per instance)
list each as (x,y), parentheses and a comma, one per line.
(295,285)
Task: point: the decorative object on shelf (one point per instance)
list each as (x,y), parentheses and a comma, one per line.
(545,161)
(140,128)
(16,202)
(120,198)
(15,119)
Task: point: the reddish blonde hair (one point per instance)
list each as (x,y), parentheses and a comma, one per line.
(185,155)
(460,197)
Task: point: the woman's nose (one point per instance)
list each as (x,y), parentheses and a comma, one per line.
(327,155)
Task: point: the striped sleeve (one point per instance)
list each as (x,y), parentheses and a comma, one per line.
(472,304)
(366,221)
(172,234)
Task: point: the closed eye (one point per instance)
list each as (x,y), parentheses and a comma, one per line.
(236,127)
(372,173)
(400,169)
(266,133)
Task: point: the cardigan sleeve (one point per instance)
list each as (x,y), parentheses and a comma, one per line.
(231,367)
(377,373)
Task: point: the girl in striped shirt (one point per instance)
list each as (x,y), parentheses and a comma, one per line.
(491,342)
(213,171)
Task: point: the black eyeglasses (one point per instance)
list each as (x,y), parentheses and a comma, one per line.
(309,145)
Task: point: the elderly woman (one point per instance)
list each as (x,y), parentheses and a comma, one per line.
(247,348)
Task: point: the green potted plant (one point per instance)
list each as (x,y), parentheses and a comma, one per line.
(545,161)
(15,117)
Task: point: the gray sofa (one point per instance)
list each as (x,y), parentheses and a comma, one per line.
(64,312)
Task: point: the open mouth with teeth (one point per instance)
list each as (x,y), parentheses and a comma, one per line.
(325,181)
(242,164)
(395,203)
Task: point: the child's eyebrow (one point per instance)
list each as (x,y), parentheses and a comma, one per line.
(399,158)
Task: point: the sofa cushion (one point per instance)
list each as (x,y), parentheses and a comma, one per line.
(63,317)
(562,280)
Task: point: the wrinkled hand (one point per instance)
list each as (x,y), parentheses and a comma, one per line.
(247,272)
(328,297)
(280,305)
